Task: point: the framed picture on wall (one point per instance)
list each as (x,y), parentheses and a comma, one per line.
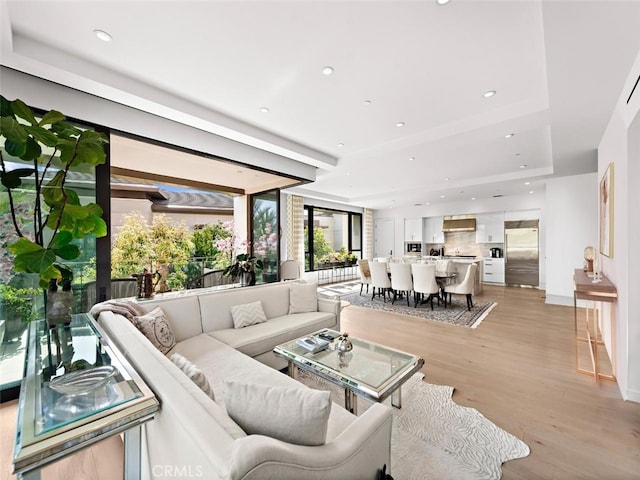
(605,204)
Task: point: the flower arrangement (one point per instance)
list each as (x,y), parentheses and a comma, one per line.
(241,265)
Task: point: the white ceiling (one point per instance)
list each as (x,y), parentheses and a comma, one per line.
(558,69)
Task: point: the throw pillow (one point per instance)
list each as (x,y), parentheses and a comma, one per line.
(248,314)
(303,297)
(294,415)
(194,373)
(156,328)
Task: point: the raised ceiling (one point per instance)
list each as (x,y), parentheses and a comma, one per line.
(557,67)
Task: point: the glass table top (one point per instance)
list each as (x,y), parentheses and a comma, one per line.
(69,350)
(74,379)
(369,367)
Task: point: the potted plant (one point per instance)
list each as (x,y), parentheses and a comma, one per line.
(40,153)
(244,268)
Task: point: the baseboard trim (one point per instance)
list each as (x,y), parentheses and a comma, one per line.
(559,300)
(633,396)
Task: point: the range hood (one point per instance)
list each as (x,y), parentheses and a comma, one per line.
(459,224)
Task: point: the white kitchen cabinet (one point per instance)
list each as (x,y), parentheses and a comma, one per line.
(433,230)
(493,270)
(413,229)
(490,227)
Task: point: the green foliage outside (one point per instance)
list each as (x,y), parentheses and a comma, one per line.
(204,240)
(18,302)
(323,252)
(138,245)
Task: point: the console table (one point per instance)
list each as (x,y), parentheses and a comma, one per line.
(602,291)
(55,421)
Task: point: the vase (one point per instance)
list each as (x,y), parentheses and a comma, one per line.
(59,308)
(245,279)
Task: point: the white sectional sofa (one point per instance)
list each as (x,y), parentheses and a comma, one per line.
(194,434)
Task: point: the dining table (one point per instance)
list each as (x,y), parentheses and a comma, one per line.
(443,278)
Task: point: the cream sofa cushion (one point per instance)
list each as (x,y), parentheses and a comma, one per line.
(183,314)
(303,298)
(215,307)
(193,373)
(263,337)
(293,415)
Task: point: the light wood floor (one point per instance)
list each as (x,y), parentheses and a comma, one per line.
(516,368)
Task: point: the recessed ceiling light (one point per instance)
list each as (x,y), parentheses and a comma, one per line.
(530,191)
(527,183)
(367,102)
(400,124)
(264,109)
(327,70)
(446,179)
(442,2)
(489,94)
(473,198)
(441,196)
(102,35)
(411,159)
(523,166)
(348,173)
(428,203)
(508,135)
(341,144)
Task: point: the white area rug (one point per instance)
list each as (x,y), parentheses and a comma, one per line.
(433,438)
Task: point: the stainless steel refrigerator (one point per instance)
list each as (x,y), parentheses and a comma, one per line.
(521,253)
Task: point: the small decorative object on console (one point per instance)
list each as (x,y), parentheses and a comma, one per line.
(344,344)
(589,255)
(83,381)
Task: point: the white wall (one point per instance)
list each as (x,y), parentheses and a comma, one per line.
(633,262)
(621,145)
(571,224)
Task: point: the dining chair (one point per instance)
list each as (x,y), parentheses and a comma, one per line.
(465,287)
(380,279)
(365,274)
(424,283)
(289,270)
(401,281)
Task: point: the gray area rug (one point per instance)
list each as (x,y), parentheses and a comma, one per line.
(456,313)
(433,438)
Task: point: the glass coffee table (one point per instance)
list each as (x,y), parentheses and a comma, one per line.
(78,389)
(369,370)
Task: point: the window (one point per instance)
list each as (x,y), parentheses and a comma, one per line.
(332,238)
(265,234)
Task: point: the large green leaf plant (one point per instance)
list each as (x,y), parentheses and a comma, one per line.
(48,149)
